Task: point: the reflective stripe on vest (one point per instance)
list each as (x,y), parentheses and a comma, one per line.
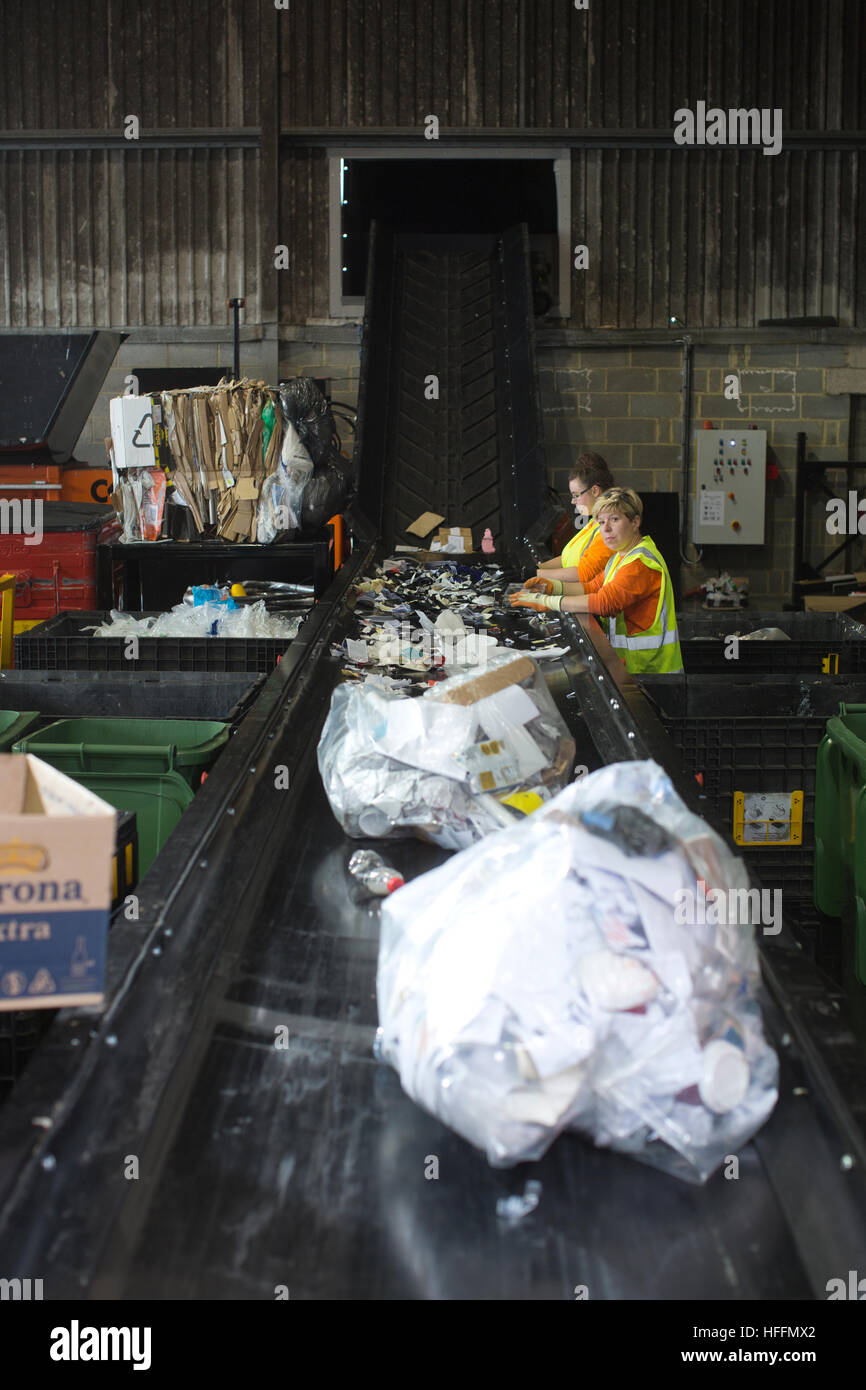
(643,641)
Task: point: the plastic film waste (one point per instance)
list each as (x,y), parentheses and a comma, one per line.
(204,620)
(553,978)
(472,755)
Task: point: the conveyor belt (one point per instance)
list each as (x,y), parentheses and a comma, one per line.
(449,415)
(305,1166)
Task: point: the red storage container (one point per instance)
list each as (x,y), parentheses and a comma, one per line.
(27,481)
(60,572)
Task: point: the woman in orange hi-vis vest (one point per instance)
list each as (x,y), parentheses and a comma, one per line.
(634,592)
(586,554)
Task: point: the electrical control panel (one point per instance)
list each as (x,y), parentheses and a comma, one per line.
(730,487)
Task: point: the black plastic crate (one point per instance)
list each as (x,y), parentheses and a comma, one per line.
(155,574)
(21,1031)
(132,694)
(61,644)
(819,643)
(754,734)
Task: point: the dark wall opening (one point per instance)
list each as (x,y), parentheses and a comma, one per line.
(448,195)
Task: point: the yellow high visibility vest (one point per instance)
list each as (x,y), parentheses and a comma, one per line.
(656,650)
(578,545)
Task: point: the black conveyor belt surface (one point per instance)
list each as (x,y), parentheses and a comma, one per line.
(305,1166)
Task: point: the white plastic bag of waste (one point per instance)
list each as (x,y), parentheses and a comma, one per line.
(592,969)
(477,752)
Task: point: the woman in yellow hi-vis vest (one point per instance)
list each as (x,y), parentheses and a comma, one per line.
(586,554)
(634,592)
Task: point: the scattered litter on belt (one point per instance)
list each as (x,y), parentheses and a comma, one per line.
(208,619)
(414,619)
(514,1208)
(552,978)
(549,653)
(373,873)
(471,755)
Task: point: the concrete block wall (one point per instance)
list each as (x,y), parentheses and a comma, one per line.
(625,404)
(336,357)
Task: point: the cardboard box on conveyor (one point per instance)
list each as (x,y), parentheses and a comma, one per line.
(450,541)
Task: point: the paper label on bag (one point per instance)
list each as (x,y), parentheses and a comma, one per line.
(490,765)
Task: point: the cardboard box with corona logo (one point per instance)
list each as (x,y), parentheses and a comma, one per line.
(56,851)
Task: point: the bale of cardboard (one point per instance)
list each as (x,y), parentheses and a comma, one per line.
(56,850)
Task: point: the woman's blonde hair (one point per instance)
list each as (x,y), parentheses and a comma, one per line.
(620,499)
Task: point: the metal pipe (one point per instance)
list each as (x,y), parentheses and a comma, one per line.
(511,138)
(248,137)
(236,305)
(688,351)
(799,514)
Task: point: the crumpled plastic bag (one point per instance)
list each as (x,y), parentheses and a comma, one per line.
(206,620)
(540,981)
(331,483)
(282,495)
(475,753)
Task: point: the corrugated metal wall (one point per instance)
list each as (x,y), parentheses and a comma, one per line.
(85,65)
(621,64)
(136,236)
(304,221)
(719,238)
(146,237)
(129,235)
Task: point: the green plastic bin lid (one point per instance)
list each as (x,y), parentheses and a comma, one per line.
(158,801)
(14,724)
(119,745)
(848,729)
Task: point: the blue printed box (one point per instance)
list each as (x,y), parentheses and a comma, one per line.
(56,852)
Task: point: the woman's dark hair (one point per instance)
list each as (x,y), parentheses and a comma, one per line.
(592,471)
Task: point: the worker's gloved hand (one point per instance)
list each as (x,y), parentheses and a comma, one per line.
(542,585)
(526,599)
